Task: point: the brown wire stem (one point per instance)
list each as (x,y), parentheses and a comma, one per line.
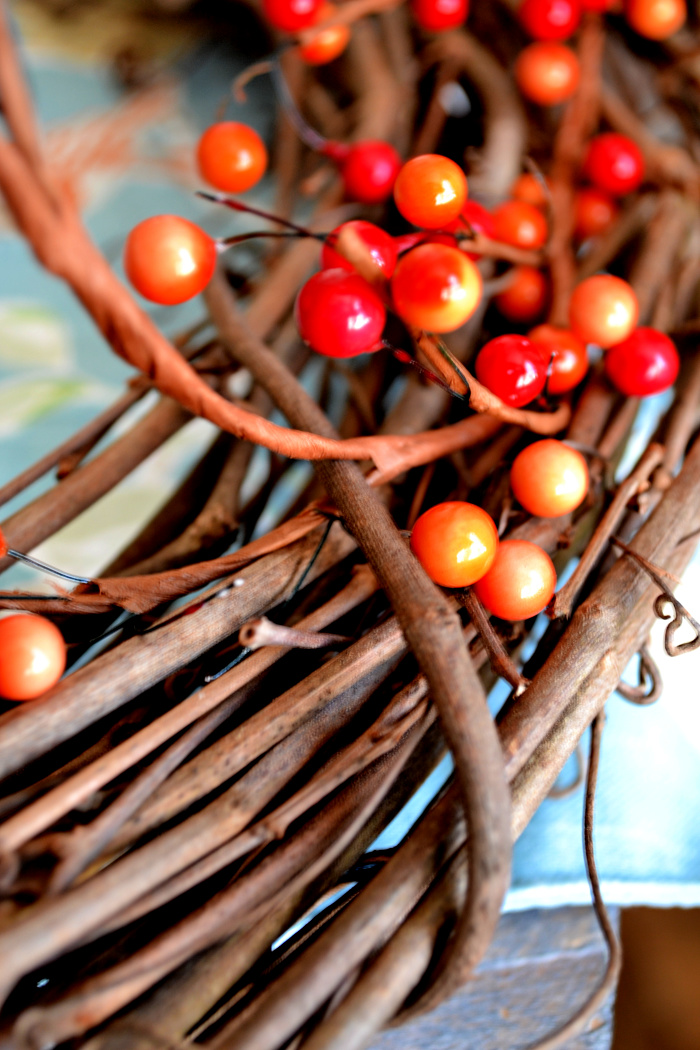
(579,1022)
(650,684)
(680,613)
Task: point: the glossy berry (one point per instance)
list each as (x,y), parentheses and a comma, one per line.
(380,245)
(603,310)
(231,156)
(436,288)
(547,72)
(530,189)
(455,543)
(525,297)
(655,19)
(369,169)
(520,583)
(512,368)
(168,259)
(430,191)
(339,314)
(565,356)
(435,16)
(614,163)
(550,19)
(33,656)
(594,212)
(645,363)
(291,15)
(328,43)
(520,224)
(549,479)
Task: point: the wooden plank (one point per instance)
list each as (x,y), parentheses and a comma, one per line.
(540,968)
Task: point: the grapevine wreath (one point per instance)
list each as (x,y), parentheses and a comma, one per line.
(200,745)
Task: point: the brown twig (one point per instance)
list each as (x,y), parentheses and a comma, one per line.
(564,600)
(501,662)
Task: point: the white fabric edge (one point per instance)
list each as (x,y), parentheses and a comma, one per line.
(615,893)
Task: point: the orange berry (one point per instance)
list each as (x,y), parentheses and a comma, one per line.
(430,191)
(168,259)
(33,656)
(525,297)
(328,43)
(528,188)
(655,19)
(547,72)
(565,354)
(603,310)
(435,287)
(520,583)
(455,543)
(548,478)
(520,224)
(594,211)
(231,156)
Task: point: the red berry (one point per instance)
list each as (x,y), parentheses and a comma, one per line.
(435,287)
(520,583)
(549,479)
(550,19)
(328,43)
(381,246)
(369,169)
(603,310)
(455,543)
(565,356)
(520,224)
(645,363)
(512,368)
(547,72)
(525,297)
(430,191)
(231,156)
(598,5)
(436,15)
(656,19)
(168,259)
(530,189)
(339,314)
(291,15)
(33,656)
(614,163)
(594,212)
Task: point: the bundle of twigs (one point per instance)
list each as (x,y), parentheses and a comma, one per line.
(208,774)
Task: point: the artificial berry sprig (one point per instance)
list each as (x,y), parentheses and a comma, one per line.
(368,168)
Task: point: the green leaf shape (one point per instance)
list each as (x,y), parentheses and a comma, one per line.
(24,401)
(33,337)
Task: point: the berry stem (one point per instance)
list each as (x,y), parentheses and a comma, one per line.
(36,564)
(248,209)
